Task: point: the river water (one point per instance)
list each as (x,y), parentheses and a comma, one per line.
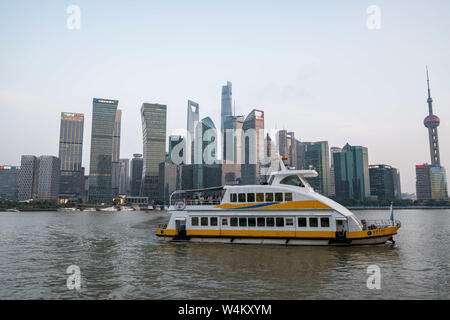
(120,257)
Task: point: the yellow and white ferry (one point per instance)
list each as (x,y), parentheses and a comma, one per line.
(284,211)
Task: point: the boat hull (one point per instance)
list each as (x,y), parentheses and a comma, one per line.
(368,239)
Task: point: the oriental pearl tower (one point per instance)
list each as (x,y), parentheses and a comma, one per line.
(432,122)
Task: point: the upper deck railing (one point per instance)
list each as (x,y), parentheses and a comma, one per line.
(196,202)
(379,224)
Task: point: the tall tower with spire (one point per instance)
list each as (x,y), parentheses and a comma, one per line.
(432,122)
(431,180)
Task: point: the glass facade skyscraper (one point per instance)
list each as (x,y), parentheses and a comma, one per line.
(226,105)
(384,182)
(100,169)
(136,166)
(48,182)
(9,177)
(317,155)
(351,173)
(28,177)
(70,155)
(154,127)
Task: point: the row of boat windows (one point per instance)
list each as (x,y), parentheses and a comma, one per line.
(261,197)
(302,222)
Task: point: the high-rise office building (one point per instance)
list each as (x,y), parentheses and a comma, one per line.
(48,182)
(28,178)
(177,150)
(232,140)
(287,147)
(9,179)
(300,154)
(252,147)
(100,170)
(116,166)
(332,185)
(193,117)
(137,163)
(226,105)
(70,155)
(431,180)
(384,182)
(154,124)
(116,136)
(351,173)
(317,156)
(205,148)
(124,176)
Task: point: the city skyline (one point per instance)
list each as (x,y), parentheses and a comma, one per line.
(351,95)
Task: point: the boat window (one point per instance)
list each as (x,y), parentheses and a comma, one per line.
(260,197)
(270,179)
(233,197)
(213,221)
(224,221)
(280,222)
(302,222)
(324,222)
(242,222)
(234,222)
(278,196)
(251,222)
(194,221)
(288,196)
(292,181)
(313,222)
(261,222)
(204,221)
(250,197)
(269,197)
(241,197)
(289,221)
(270,222)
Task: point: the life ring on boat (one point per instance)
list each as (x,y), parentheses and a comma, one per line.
(369,233)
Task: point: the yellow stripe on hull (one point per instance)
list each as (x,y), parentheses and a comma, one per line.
(372,233)
(306,204)
(279,233)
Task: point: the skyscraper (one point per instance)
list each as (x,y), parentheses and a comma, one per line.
(205,149)
(351,173)
(28,178)
(431,180)
(70,155)
(384,182)
(116,136)
(332,185)
(232,136)
(252,147)
(226,105)
(154,124)
(193,118)
(287,147)
(136,166)
(48,182)
(124,187)
(317,156)
(177,148)
(100,169)
(9,178)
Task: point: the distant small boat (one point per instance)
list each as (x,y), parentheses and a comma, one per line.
(126,209)
(90,209)
(69,210)
(12,210)
(109,209)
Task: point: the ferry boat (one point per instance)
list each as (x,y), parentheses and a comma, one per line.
(285,211)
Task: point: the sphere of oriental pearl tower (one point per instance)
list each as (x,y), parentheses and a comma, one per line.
(431,121)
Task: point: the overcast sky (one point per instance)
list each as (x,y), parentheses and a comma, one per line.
(314,67)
